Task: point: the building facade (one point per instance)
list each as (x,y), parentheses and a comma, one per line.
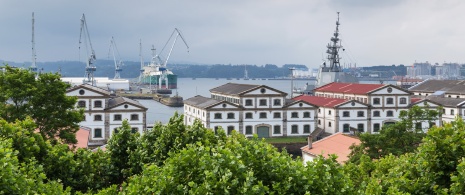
(251,109)
(104,113)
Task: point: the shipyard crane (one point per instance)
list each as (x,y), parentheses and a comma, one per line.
(119,62)
(141,62)
(33,67)
(90,68)
(178,34)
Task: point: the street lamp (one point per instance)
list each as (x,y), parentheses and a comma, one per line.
(292,81)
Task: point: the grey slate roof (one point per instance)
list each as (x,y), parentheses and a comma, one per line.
(114,102)
(449,86)
(200,101)
(233,88)
(444,101)
(91,88)
(239,89)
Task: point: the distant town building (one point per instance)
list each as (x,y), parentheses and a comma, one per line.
(447,71)
(419,70)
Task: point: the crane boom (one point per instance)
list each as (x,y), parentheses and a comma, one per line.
(119,62)
(90,68)
(178,34)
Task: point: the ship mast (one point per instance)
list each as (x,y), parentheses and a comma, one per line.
(333,50)
(33,65)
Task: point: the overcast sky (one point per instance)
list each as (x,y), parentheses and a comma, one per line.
(240,31)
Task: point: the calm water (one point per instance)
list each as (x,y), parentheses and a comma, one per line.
(187,88)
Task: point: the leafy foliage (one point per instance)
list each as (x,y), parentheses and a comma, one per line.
(399,138)
(43,99)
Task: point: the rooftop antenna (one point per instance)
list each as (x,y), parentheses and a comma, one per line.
(33,67)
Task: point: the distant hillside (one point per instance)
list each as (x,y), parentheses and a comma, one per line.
(106,68)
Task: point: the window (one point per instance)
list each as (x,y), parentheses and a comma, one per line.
(115,130)
(329,112)
(81,92)
(262,114)
(263,102)
(452,112)
(306,128)
(97,133)
(376,101)
(277,102)
(319,121)
(376,113)
(329,124)
(82,104)
(376,127)
(403,100)
(230,115)
(277,129)
(431,124)
(134,130)
(230,129)
(117,117)
(248,102)
(418,126)
(319,110)
(346,128)
(294,129)
(294,115)
(98,117)
(360,127)
(248,130)
(248,115)
(389,101)
(277,115)
(98,104)
(346,114)
(134,117)
(360,114)
(217,115)
(306,114)
(216,129)
(84,118)
(389,113)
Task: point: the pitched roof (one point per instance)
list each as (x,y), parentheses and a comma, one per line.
(201,102)
(82,137)
(351,88)
(117,101)
(449,102)
(91,88)
(239,89)
(335,144)
(321,101)
(449,86)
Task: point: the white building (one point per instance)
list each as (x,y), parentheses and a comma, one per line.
(251,109)
(364,107)
(447,88)
(104,113)
(101,82)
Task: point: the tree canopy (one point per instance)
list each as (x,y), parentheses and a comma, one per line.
(43,99)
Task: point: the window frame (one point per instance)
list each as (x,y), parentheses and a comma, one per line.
(294,114)
(376,113)
(403,100)
(263,115)
(389,113)
(247,130)
(217,116)
(230,115)
(248,115)
(376,127)
(98,104)
(360,113)
(262,102)
(389,100)
(362,127)
(294,129)
(376,101)
(95,133)
(117,117)
(276,102)
(276,114)
(344,126)
(277,129)
(134,117)
(81,104)
(248,102)
(307,128)
(307,115)
(98,116)
(345,114)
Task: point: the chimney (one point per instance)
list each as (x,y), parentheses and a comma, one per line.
(310,141)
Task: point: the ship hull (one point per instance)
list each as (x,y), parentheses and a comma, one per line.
(155,79)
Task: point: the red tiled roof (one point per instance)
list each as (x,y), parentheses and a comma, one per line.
(321,101)
(413,100)
(351,88)
(82,136)
(335,144)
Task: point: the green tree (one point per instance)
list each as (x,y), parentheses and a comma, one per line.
(43,99)
(120,146)
(399,138)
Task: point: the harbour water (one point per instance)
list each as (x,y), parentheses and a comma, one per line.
(188,87)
